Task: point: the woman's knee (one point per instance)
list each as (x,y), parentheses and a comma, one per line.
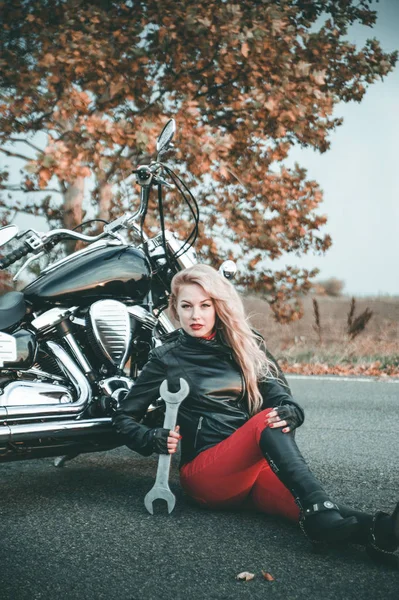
(259,421)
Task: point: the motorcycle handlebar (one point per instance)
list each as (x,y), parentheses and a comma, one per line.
(68,233)
(145,175)
(13,256)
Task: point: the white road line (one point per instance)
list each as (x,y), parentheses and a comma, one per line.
(338,378)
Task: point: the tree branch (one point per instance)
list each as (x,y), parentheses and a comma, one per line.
(14,188)
(15,154)
(110,172)
(28,143)
(114,165)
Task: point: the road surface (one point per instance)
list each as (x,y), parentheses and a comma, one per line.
(82,532)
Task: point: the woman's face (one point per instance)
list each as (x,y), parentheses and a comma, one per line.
(196,311)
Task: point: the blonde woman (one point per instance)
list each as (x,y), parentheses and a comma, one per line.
(236,425)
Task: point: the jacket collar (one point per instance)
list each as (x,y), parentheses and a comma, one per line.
(217,343)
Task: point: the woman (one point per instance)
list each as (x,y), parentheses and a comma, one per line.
(236,425)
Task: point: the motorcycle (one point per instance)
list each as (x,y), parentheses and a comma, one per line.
(74,340)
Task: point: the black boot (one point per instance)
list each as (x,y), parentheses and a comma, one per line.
(379,533)
(320,518)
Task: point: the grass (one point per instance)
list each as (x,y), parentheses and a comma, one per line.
(327,348)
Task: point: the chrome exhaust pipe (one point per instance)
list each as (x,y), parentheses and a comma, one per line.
(67,409)
(55,430)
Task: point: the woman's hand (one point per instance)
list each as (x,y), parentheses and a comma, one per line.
(165,441)
(287,416)
(173,440)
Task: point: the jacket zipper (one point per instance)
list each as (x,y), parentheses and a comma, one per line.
(198,430)
(243,387)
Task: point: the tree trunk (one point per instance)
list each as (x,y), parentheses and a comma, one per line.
(105,201)
(73,211)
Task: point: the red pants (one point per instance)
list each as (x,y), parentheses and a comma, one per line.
(235,473)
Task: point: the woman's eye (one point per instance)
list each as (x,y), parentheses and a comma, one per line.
(207,305)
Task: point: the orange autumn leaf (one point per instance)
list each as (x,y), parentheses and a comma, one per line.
(245,49)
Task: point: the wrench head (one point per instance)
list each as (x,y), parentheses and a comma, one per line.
(158,493)
(174,397)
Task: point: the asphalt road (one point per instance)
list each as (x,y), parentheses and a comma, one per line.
(82,532)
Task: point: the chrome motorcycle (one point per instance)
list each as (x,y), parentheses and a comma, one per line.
(74,340)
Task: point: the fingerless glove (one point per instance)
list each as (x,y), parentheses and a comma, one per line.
(292,414)
(160,440)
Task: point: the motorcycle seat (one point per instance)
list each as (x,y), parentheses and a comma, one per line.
(12,309)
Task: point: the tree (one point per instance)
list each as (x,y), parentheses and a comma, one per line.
(86,85)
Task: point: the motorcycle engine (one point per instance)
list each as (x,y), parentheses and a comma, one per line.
(110,330)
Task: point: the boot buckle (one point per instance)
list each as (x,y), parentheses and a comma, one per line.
(315,508)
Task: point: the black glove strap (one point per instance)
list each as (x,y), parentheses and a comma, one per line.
(160,440)
(291,414)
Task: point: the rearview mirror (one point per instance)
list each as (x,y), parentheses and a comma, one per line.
(166,136)
(228,269)
(7,233)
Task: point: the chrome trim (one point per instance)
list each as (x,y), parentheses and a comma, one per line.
(112,329)
(77,321)
(189,258)
(26,264)
(115,384)
(51,318)
(56,430)
(143,315)
(74,375)
(43,374)
(70,340)
(9,235)
(8,348)
(37,393)
(166,323)
(228,269)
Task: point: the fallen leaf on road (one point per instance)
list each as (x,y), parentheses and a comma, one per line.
(245,576)
(267,576)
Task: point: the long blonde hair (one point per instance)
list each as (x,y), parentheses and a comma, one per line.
(231,320)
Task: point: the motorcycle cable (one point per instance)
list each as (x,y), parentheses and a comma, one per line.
(144,243)
(89,222)
(194,211)
(162,223)
(190,240)
(175,177)
(179,183)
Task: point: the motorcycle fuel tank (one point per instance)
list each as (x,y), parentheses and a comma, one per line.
(96,273)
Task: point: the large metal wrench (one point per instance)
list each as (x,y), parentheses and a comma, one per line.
(161,489)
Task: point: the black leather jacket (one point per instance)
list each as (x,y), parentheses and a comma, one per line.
(215,406)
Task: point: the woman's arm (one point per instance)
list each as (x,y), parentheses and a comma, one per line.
(276,394)
(141,438)
(286,412)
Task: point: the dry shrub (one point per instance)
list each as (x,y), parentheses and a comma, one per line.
(299,342)
(358,324)
(316,312)
(351,313)
(329,287)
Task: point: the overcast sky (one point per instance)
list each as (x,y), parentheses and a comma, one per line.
(360,179)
